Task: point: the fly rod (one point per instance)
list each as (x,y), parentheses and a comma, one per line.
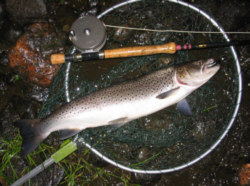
(169,48)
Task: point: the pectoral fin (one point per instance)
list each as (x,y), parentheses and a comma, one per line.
(64,134)
(167,94)
(184,107)
(118,122)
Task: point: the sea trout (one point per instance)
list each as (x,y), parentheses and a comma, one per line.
(121,103)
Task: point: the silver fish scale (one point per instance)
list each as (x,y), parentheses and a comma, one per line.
(141,88)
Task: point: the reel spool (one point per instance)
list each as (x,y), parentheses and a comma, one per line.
(88,34)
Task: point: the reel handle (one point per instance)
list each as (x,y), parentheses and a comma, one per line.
(169,48)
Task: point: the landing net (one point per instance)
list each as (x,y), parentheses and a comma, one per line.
(165,141)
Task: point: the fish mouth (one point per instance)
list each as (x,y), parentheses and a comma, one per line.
(210,64)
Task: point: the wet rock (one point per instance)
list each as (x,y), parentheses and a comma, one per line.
(25,108)
(146,179)
(23,11)
(81,7)
(122,34)
(11,32)
(40,94)
(51,176)
(5,80)
(95,160)
(30,55)
(3,100)
(142,39)
(64,17)
(7,117)
(92,8)
(244,174)
(2,11)
(93,3)
(4,59)
(143,154)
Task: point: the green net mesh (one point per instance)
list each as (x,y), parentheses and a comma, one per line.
(166,139)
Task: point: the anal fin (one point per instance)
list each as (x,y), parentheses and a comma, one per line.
(64,134)
(184,107)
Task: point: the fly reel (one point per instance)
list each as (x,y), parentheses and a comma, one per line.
(88,34)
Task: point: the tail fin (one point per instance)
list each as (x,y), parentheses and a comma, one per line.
(30,133)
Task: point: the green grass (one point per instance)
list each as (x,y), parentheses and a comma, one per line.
(79,171)
(8,153)
(77,167)
(10,158)
(146,160)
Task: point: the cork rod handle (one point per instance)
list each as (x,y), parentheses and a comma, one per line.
(57,59)
(169,48)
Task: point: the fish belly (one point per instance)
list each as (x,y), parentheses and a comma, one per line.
(129,110)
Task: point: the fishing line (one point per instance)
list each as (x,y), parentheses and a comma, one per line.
(173,31)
